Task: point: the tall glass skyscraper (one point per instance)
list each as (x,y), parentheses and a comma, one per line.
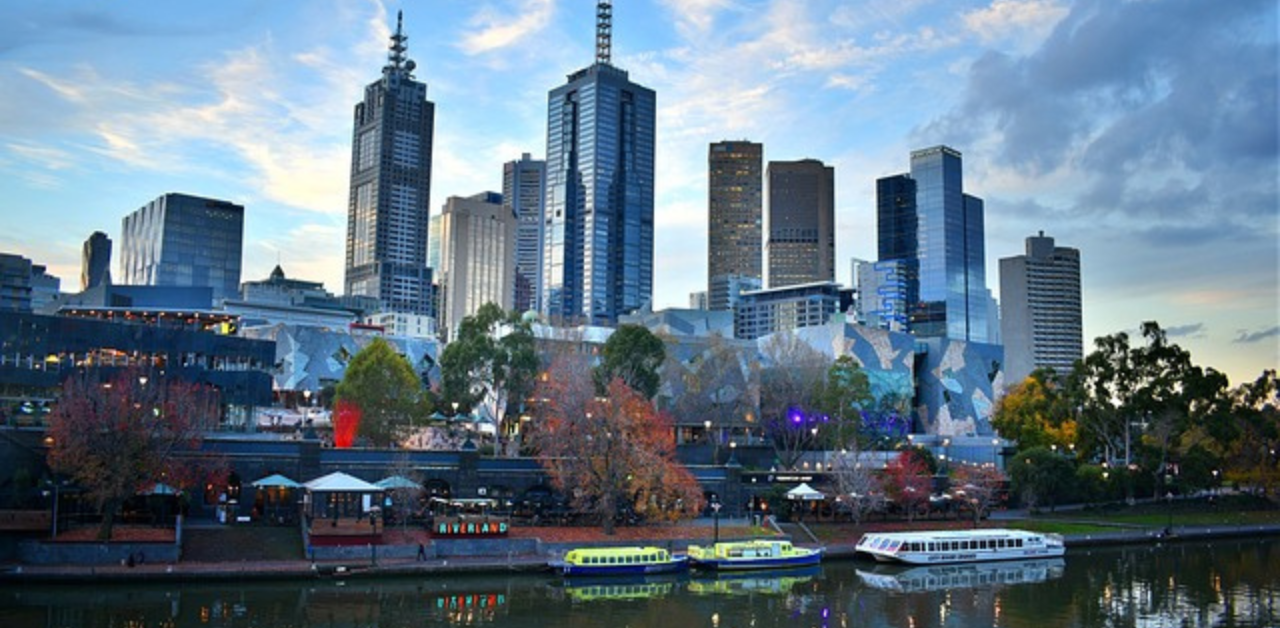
(182,240)
(735,182)
(388,208)
(597,260)
(927,221)
(799,226)
(523,192)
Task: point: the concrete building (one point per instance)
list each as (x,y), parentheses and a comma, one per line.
(389,202)
(180,240)
(24,286)
(735,202)
(698,300)
(280,300)
(597,260)
(1041,322)
(772,310)
(524,184)
(477,257)
(799,225)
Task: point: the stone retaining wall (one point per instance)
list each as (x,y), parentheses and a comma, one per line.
(41,553)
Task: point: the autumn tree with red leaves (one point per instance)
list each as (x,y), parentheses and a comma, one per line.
(978,488)
(907,483)
(609,453)
(116,435)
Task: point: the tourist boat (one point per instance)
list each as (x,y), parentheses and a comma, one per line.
(758,554)
(909,579)
(959,546)
(608,561)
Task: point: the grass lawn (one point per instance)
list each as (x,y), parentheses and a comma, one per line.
(1231,511)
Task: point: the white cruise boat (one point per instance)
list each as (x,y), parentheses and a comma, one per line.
(959,546)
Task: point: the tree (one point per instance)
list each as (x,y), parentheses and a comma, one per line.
(116,435)
(977,488)
(491,364)
(1248,438)
(789,385)
(858,485)
(1042,476)
(609,454)
(633,354)
(907,483)
(718,385)
(843,395)
(383,386)
(1035,413)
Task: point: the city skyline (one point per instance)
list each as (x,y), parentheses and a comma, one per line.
(1087,120)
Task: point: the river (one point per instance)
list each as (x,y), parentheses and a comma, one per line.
(1223,583)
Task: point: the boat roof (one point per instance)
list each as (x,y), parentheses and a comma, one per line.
(952,534)
(617,550)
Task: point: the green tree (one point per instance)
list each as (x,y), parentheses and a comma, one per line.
(388,392)
(842,397)
(633,354)
(1042,477)
(492,364)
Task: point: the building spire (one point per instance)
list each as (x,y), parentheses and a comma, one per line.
(397,62)
(604,32)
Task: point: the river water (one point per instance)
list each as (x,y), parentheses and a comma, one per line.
(1224,583)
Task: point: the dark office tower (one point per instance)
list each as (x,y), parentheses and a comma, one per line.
(799,226)
(388,208)
(597,247)
(734,200)
(185,241)
(95,262)
(523,192)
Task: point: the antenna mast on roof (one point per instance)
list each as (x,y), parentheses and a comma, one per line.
(604,32)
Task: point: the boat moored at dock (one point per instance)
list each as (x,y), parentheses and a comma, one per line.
(606,561)
(959,546)
(758,554)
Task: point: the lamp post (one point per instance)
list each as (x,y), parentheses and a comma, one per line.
(706,429)
(715,511)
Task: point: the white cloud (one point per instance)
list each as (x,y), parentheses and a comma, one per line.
(498,31)
(1024,24)
(694,17)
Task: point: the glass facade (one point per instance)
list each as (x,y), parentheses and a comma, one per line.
(598,227)
(800,244)
(181,240)
(734,207)
(523,193)
(388,206)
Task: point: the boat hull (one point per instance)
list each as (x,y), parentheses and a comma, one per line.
(933,558)
(753,564)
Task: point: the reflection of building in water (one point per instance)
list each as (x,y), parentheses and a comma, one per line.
(767,582)
(962,575)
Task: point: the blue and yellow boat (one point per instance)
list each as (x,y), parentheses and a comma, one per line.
(760,554)
(610,561)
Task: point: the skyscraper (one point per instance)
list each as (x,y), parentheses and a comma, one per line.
(182,240)
(734,210)
(927,221)
(95,261)
(1041,321)
(387,209)
(799,226)
(597,258)
(523,193)
(477,257)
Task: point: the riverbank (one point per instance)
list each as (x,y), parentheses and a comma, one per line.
(374,567)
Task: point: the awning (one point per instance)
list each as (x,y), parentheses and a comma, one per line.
(340,482)
(275,480)
(397,482)
(804,492)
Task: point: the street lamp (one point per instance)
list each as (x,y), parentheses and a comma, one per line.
(715,510)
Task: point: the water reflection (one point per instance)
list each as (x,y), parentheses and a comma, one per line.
(1221,584)
(961,575)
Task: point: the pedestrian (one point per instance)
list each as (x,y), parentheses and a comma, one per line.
(422,552)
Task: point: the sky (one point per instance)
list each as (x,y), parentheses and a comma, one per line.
(1144,133)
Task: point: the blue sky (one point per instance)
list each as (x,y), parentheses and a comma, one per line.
(1142,132)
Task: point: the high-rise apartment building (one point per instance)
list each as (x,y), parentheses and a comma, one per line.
(187,241)
(597,260)
(799,225)
(388,205)
(95,261)
(927,222)
(1041,322)
(523,193)
(477,257)
(735,201)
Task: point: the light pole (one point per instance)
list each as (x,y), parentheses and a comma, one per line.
(715,511)
(706,429)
